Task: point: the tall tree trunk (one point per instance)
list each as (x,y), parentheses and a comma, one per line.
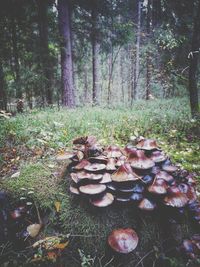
(148,53)
(95,56)
(3,98)
(64,17)
(137,59)
(193,68)
(44,49)
(156,12)
(15,56)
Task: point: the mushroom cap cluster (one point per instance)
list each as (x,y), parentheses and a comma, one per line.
(140,173)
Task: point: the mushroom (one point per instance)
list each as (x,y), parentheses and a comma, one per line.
(124,174)
(158,156)
(147,179)
(175,198)
(147,144)
(84,176)
(138,160)
(147,205)
(65,156)
(123,240)
(189,191)
(106,178)
(74,190)
(92,189)
(81,165)
(169,168)
(98,159)
(111,165)
(113,152)
(95,167)
(105,201)
(128,150)
(165,176)
(159,187)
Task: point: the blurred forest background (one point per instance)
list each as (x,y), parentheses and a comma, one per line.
(98,52)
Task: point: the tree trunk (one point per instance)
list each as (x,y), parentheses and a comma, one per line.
(137,60)
(148,53)
(44,49)
(193,68)
(15,57)
(156,12)
(66,54)
(95,56)
(3,98)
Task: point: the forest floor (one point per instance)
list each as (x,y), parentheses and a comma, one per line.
(29,143)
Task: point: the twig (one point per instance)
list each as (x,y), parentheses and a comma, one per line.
(146,255)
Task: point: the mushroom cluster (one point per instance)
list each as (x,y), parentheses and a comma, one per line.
(140,173)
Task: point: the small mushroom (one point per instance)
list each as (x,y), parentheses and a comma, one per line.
(98,159)
(165,176)
(124,174)
(175,198)
(123,240)
(111,165)
(189,191)
(147,205)
(147,144)
(169,168)
(105,201)
(106,178)
(138,160)
(159,187)
(82,176)
(113,152)
(74,190)
(95,167)
(92,189)
(158,156)
(81,165)
(65,156)
(147,179)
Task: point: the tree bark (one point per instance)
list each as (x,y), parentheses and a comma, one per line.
(3,97)
(148,53)
(95,56)
(44,49)
(15,57)
(64,17)
(193,68)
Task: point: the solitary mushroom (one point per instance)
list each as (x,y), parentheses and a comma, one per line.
(123,240)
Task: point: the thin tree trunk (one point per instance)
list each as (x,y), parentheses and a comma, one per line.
(44,49)
(3,97)
(148,54)
(16,57)
(95,57)
(137,60)
(66,54)
(193,90)
(122,75)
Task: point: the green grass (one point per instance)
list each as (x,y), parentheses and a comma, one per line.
(50,130)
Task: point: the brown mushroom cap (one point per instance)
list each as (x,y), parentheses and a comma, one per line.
(65,156)
(79,176)
(169,168)
(124,174)
(123,240)
(159,187)
(165,176)
(158,156)
(138,160)
(106,178)
(98,159)
(105,201)
(175,198)
(147,144)
(147,205)
(95,167)
(111,164)
(92,189)
(128,150)
(74,190)
(113,152)
(82,164)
